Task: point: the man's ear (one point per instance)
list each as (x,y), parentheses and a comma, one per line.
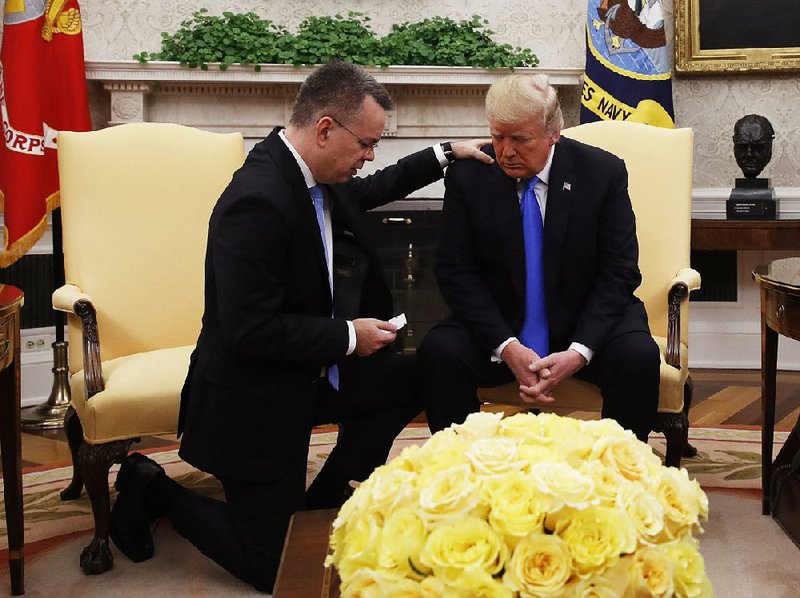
(555,137)
(322,130)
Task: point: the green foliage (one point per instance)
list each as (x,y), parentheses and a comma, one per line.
(442,41)
(321,39)
(229,39)
(249,40)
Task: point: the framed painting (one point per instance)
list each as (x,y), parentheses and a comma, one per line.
(736,36)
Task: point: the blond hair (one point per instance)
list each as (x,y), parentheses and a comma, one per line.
(516,98)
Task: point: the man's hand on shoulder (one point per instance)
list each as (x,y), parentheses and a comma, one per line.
(472,149)
(551,370)
(372,335)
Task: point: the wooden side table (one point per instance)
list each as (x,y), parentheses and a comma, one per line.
(11,300)
(302,571)
(721,234)
(780,314)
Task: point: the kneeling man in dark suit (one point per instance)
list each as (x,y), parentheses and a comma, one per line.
(538,262)
(294,334)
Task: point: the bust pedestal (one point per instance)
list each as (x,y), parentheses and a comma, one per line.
(752,199)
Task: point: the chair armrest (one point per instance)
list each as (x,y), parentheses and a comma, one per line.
(687,279)
(64,298)
(688,276)
(71,299)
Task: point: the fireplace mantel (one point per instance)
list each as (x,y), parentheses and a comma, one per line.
(432,102)
(119,71)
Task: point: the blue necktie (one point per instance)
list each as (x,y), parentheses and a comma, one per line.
(316,195)
(534,333)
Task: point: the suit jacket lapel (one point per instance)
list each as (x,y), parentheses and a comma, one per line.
(561,197)
(300,194)
(506,210)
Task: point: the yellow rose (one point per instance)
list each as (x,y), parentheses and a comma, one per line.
(401,541)
(596,587)
(690,576)
(389,489)
(652,573)
(433,587)
(469,543)
(358,545)
(564,483)
(480,424)
(644,509)
(516,506)
(369,583)
(607,482)
(442,451)
(492,456)
(407,460)
(531,454)
(612,583)
(633,459)
(684,502)
(520,426)
(450,494)
(352,509)
(596,536)
(551,428)
(473,583)
(606,427)
(539,566)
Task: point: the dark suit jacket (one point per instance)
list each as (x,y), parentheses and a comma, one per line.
(247,405)
(590,250)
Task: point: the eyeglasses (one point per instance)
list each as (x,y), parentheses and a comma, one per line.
(366,146)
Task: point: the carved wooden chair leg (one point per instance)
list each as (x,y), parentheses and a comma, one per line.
(74,431)
(95,461)
(675,427)
(688,390)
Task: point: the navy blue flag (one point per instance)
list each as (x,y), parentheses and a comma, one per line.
(628,67)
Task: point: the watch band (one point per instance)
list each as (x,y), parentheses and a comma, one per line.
(447,149)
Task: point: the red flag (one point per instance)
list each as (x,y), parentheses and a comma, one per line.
(42,91)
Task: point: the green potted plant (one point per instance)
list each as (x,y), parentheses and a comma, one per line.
(247,39)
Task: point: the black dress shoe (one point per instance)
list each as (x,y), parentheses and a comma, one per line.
(130,516)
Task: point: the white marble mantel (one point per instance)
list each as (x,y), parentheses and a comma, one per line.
(432,102)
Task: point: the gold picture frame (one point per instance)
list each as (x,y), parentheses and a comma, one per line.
(710,47)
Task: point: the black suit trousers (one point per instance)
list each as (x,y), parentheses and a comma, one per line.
(453,366)
(378,396)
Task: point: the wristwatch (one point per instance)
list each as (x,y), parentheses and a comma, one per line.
(447,148)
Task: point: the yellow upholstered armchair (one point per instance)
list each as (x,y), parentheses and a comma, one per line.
(135,203)
(659,163)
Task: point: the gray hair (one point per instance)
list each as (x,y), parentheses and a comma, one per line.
(516,98)
(336,89)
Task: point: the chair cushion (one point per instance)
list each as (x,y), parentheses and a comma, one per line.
(582,396)
(141,396)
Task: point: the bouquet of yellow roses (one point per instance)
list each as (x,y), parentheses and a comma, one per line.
(529,505)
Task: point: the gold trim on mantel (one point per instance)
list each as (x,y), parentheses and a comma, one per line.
(130,70)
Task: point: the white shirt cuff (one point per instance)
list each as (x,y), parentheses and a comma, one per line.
(351,330)
(437,149)
(583,350)
(499,351)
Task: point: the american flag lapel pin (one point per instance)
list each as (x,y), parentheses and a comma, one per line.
(567,187)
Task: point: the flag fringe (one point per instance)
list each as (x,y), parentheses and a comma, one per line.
(11,254)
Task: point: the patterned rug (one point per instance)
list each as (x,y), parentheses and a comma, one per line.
(727,458)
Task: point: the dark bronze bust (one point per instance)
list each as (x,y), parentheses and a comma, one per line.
(752,144)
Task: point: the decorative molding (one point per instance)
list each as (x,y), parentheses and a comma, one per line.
(130,70)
